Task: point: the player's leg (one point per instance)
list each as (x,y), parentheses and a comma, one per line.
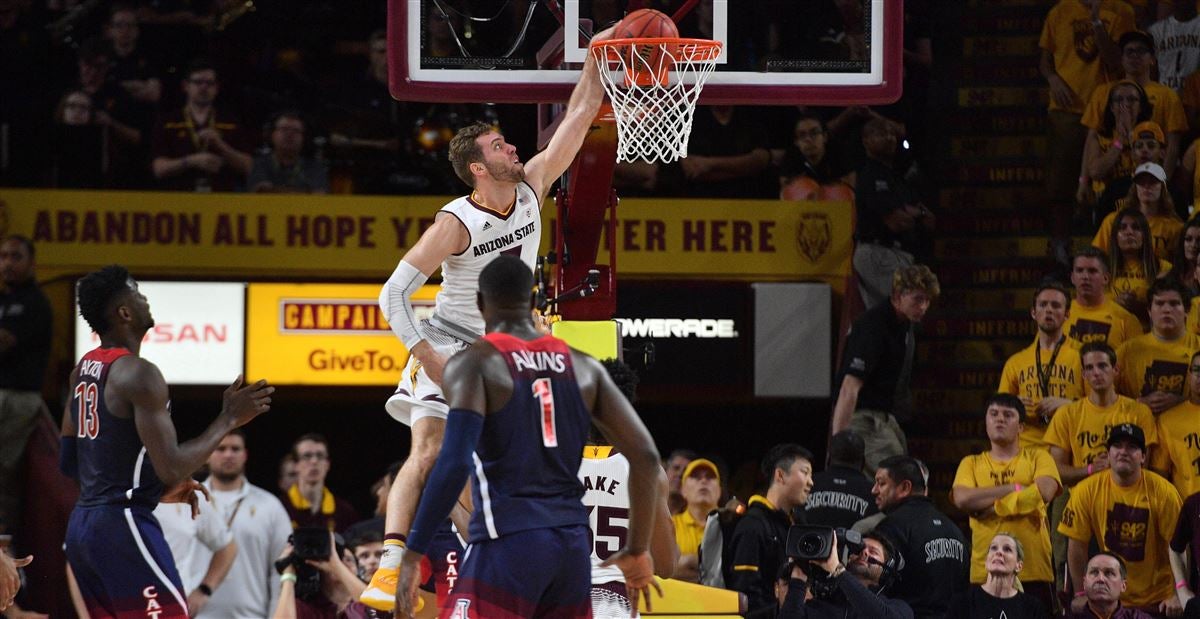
(122,564)
(510,577)
(569,595)
(402,500)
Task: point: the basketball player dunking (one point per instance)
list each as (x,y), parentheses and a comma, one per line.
(119,441)
(501,216)
(521,406)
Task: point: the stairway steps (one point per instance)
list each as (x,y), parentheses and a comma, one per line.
(980,351)
(998,273)
(1014,299)
(966,425)
(1000,173)
(1017,46)
(944,453)
(986,247)
(938,399)
(979,73)
(957,378)
(984,22)
(979,324)
(997,146)
(1013,201)
(1029,120)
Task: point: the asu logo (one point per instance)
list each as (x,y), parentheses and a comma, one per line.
(813,235)
(1085,42)
(1166,376)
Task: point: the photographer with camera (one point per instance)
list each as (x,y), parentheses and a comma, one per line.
(844,591)
(758,540)
(319,578)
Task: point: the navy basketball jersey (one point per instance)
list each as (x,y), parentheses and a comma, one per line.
(528,456)
(113,465)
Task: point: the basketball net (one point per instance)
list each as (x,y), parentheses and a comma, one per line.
(653,85)
(610,605)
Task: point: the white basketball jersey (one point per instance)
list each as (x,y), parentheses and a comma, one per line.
(518,234)
(604,476)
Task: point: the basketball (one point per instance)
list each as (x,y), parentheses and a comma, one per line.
(645,24)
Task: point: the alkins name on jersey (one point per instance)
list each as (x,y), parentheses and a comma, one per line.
(539,361)
(501,242)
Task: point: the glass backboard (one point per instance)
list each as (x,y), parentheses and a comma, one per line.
(833,52)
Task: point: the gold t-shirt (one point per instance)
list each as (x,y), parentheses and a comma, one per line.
(1081,428)
(1164,229)
(1022,514)
(1107,322)
(1147,364)
(1135,522)
(1070,38)
(1020,378)
(1167,113)
(1178,454)
(688,533)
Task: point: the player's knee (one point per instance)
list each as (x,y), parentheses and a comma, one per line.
(424,455)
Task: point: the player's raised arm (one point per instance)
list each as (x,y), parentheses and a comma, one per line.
(548,165)
(143,385)
(445,237)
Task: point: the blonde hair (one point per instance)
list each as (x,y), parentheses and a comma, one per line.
(915,278)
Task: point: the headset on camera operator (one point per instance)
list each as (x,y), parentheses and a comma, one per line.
(840,590)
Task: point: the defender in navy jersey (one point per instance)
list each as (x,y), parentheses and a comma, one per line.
(521,406)
(119,442)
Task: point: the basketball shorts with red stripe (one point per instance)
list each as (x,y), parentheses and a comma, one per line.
(534,573)
(123,564)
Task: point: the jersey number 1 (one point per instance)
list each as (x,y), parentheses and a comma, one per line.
(89,419)
(545,397)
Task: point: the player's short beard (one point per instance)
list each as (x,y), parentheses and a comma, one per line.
(509,174)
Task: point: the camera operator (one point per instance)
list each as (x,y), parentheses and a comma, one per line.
(846,591)
(333,595)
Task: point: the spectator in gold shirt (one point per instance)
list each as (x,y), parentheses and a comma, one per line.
(1154,365)
(1047,375)
(1007,489)
(1094,317)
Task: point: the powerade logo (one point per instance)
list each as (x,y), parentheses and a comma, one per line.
(704,328)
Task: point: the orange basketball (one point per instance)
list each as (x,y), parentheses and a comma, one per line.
(645,24)
(647,64)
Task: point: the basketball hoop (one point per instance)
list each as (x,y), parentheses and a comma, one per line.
(654,84)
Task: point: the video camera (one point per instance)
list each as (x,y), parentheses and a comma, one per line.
(814,543)
(309,543)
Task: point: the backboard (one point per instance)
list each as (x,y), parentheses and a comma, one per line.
(775,52)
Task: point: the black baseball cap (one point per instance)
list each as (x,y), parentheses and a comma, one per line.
(1127,432)
(1136,35)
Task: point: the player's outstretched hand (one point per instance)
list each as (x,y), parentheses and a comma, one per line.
(185,492)
(10,581)
(638,569)
(245,402)
(406,586)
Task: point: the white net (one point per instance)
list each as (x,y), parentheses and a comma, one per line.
(609,604)
(654,85)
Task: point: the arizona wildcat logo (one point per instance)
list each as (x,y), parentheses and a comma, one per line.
(460,609)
